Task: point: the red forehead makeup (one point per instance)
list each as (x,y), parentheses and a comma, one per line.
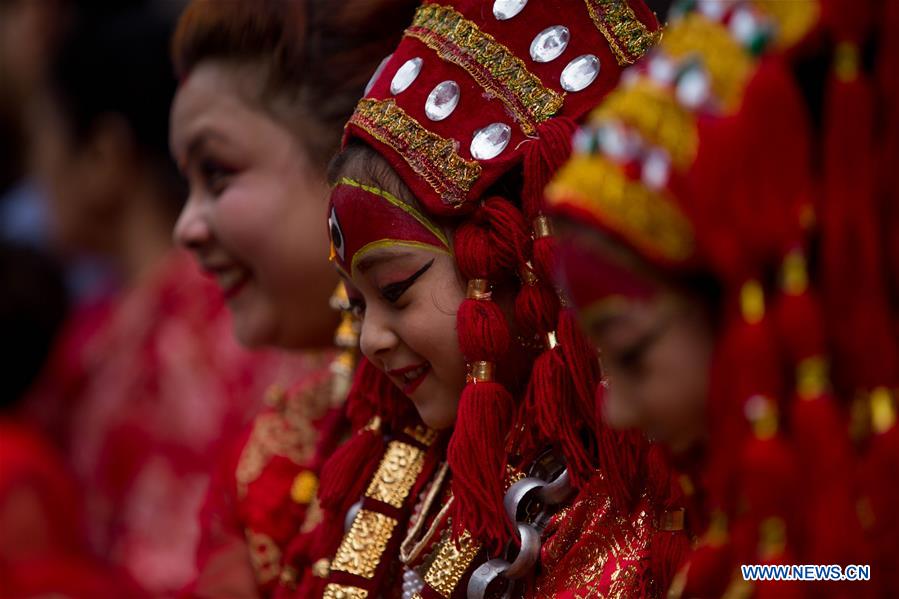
(362,218)
(591,278)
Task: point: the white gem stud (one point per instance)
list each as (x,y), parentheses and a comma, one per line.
(376,74)
(490,141)
(693,88)
(579,73)
(506,9)
(405,75)
(442,100)
(656,169)
(549,44)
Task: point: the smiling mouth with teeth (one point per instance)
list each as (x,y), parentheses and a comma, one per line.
(411,376)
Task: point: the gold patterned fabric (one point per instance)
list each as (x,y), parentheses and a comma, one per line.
(396,474)
(450,562)
(495,68)
(286,431)
(592,551)
(361,551)
(432,157)
(628,38)
(362,547)
(339,591)
(265,556)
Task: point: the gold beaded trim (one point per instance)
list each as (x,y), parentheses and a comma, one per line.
(432,157)
(657,116)
(361,549)
(728,63)
(450,563)
(647,218)
(339,591)
(495,68)
(422,434)
(401,465)
(628,37)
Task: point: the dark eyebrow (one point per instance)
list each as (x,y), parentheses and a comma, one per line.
(198,141)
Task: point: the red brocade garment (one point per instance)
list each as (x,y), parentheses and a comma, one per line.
(42,546)
(263,495)
(591,551)
(399,542)
(152,391)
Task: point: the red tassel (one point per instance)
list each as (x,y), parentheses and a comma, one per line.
(483,331)
(668,551)
(543,158)
(553,397)
(492,242)
(865,353)
(879,473)
(476,456)
(545,258)
(348,471)
(582,359)
(709,571)
(536,309)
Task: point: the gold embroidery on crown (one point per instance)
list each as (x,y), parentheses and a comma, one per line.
(495,68)
(339,591)
(648,218)
(401,465)
(658,117)
(451,562)
(432,157)
(361,549)
(794,19)
(628,37)
(729,65)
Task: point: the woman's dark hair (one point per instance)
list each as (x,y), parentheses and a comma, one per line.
(115,62)
(314,56)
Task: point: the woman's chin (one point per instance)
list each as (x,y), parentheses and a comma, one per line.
(436,414)
(251,330)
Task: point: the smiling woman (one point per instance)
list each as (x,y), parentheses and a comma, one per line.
(265,89)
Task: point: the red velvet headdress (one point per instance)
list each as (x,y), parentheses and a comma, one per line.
(475,90)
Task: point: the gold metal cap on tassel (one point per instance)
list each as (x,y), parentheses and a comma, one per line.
(542,227)
(478,289)
(480,372)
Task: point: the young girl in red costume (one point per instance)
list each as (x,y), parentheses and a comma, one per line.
(692,238)
(478,466)
(265,89)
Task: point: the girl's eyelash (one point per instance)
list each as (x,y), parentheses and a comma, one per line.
(394,291)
